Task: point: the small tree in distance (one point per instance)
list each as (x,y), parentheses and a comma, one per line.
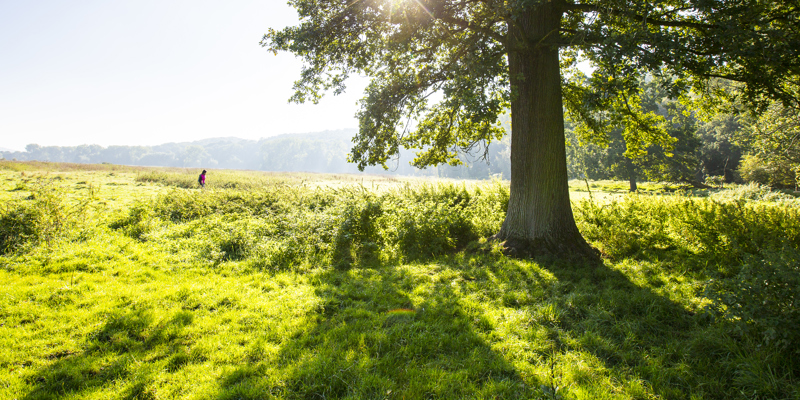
(486,56)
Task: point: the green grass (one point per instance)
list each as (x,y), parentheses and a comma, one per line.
(346,290)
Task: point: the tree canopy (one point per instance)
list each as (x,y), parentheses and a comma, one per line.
(444,71)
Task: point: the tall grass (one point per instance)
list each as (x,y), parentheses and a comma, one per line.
(281,226)
(314,291)
(220,179)
(49,214)
(250,180)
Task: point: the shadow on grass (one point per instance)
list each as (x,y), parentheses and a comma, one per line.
(659,346)
(591,333)
(465,326)
(371,340)
(644,341)
(114,354)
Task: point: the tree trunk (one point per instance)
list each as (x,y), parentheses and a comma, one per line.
(539,221)
(631,174)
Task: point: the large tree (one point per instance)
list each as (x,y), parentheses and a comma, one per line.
(477,58)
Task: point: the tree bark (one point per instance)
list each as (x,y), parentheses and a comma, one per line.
(539,221)
(631,174)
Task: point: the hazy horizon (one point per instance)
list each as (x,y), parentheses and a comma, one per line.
(341,130)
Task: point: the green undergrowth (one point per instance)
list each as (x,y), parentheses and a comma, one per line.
(187,178)
(296,292)
(287,226)
(609,186)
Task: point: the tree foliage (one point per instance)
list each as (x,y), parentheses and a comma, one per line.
(773,142)
(459,49)
(479,57)
(620,153)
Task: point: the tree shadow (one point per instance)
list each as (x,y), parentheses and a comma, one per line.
(112,356)
(411,331)
(648,343)
(392,332)
(470,325)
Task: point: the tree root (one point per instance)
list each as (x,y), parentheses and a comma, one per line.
(573,250)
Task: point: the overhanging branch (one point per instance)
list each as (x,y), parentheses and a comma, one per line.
(637,17)
(477,28)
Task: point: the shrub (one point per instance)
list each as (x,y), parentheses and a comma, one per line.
(357,238)
(749,251)
(715,180)
(293,225)
(46,216)
(17,226)
(180,205)
(775,173)
(488,207)
(138,222)
(763,298)
(622,228)
(718,233)
(424,227)
(752,191)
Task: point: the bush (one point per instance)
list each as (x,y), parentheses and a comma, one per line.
(425,227)
(487,208)
(752,191)
(624,227)
(185,205)
(718,232)
(17,226)
(357,238)
(283,226)
(781,174)
(46,216)
(748,250)
(763,298)
(138,222)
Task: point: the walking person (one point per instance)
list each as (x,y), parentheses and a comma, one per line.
(202,179)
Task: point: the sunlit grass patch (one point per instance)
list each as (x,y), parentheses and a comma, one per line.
(140,326)
(250,180)
(301,291)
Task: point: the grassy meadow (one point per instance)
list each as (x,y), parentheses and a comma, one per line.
(132,283)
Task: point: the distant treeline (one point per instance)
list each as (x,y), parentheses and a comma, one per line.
(723,148)
(311,152)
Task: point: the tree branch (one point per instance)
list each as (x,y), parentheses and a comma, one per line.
(638,17)
(477,28)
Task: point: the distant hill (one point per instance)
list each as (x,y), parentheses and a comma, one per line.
(297,152)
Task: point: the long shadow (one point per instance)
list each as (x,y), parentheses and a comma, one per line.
(643,340)
(415,331)
(111,357)
(390,333)
(384,333)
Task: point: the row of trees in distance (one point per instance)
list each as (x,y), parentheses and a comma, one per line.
(735,146)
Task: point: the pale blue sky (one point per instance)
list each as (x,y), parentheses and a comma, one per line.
(145,72)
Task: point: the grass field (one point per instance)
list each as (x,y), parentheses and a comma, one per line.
(132,283)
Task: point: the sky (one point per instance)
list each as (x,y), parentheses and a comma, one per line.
(146,72)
